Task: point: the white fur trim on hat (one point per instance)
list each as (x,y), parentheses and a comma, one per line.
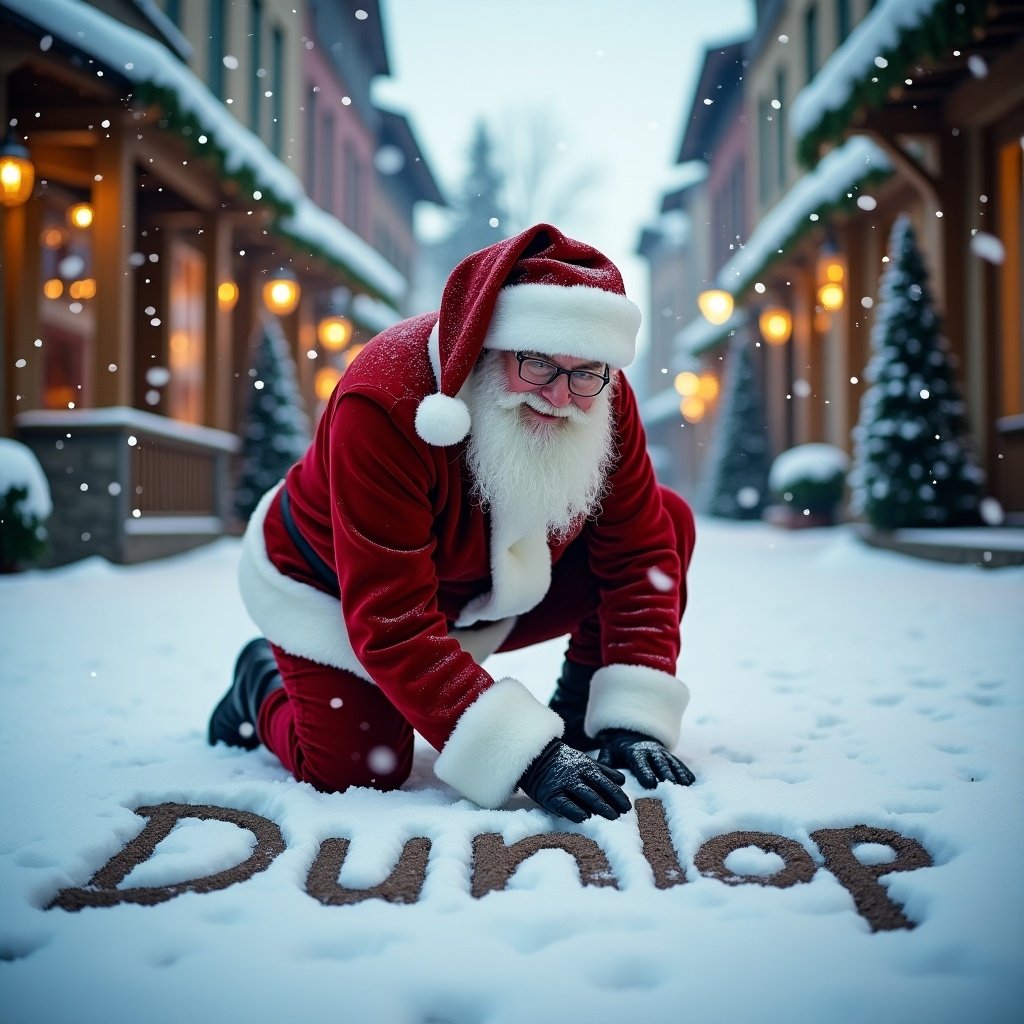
(441,420)
(494,741)
(559,320)
(639,698)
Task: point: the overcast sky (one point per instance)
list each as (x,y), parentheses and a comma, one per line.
(616,74)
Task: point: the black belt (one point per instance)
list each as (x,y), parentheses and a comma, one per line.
(323,572)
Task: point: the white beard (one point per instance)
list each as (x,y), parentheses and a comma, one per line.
(546,476)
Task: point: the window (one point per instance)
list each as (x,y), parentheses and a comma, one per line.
(843,18)
(811,40)
(186,330)
(311,140)
(353,187)
(215,53)
(1011,277)
(764,161)
(67,303)
(327,147)
(255,63)
(780,128)
(277,108)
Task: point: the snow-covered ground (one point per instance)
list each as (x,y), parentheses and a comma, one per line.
(833,685)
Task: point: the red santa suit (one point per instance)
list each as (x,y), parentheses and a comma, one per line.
(429,583)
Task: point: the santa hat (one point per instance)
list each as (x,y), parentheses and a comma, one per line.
(539,291)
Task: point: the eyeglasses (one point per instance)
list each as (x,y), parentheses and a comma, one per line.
(582,383)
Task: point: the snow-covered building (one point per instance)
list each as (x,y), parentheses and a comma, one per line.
(855,112)
(184,156)
(703,220)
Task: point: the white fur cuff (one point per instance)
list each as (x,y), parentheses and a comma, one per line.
(639,698)
(494,742)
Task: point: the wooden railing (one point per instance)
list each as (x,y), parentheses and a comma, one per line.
(129,485)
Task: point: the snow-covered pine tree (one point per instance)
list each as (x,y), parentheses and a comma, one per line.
(736,481)
(913,460)
(276,424)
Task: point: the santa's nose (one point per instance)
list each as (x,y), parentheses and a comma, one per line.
(557,392)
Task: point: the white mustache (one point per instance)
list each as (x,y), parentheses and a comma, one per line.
(541,405)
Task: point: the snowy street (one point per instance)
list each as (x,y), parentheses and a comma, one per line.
(833,686)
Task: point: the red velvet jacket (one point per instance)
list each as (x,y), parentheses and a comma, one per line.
(394,517)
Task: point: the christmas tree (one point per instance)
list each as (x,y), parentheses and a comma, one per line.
(913,460)
(736,483)
(276,425)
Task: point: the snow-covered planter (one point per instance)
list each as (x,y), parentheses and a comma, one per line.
(25,506)
(808,482)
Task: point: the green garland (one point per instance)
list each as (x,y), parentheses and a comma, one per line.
(949,26)
(825,212)
(177,119)
(174,117)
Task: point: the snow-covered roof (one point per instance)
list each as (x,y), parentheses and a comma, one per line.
(699,335)
(311,225)
(881,39)
(660,407)
(159,74)
(132,419)
(378,316)
(837,175)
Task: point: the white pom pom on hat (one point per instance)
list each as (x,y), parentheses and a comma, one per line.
(539,291)
(442,420)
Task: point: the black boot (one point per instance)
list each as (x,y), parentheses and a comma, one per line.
(570,701)
(256,675)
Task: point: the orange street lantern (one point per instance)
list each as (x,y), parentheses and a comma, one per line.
(17,175)
(692,408)
(716,305)
(687,383)
(707,387)
(831,273)
(326,381)
(776,324)
(334,333)
(227,295)
(831,296)
(281,293)
(80,216)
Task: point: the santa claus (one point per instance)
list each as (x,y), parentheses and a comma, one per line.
(479,482)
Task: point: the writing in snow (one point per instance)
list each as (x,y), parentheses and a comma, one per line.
(494,861)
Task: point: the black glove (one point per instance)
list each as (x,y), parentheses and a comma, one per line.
(646,758)
(570,701)
(573,785)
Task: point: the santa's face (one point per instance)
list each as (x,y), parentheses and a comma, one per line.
(555,403)
(538,453)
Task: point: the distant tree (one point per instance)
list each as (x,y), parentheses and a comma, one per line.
(477,219)
(479,212)
(276,424)
(913,459)
(544,183)
(736,482)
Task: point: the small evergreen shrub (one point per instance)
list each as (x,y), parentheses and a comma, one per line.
(811,477)
(736,481)
(276,425)
(25,506)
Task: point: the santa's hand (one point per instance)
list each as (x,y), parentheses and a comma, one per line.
(573,785)
(645,757)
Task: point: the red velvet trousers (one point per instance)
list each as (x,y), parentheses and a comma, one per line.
(334,730)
